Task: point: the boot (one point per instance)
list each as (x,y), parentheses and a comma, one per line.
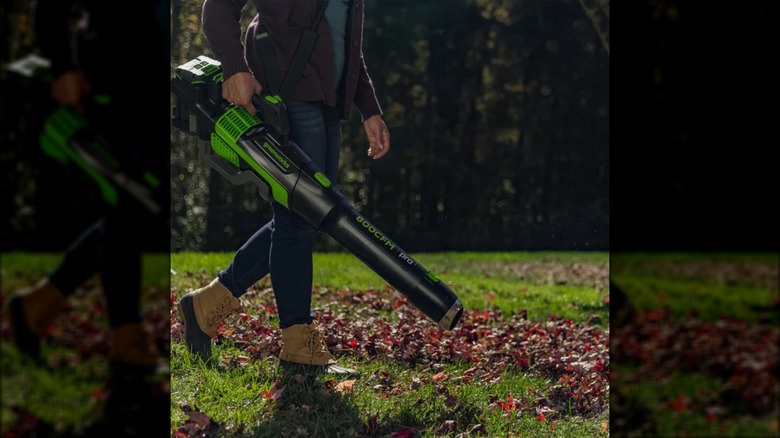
(132,346)
(31,311)
(136,385)
(304,346)
(203,310)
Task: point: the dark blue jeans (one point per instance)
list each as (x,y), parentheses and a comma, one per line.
(113,247)
(284,245)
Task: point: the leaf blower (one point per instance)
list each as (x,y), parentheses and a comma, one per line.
(68,137)
(257,149)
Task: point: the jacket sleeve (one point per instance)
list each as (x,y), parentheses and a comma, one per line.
(222,27)
(52,32)
(365,95)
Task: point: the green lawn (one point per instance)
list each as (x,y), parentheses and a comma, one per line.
(399,392)
(407,397)
(722,308)
(65,398)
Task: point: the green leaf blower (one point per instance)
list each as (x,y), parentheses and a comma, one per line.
(257,149)
(68,137)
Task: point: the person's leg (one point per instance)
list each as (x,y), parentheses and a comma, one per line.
(32,309)
(81,260)
(204,309)
(251,261)
(249,264)
(120,267)
(291,266)
(292,240)
(132,349)
(316,130)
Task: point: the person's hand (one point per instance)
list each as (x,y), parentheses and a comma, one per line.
(378,136)
(69,89)
(239,89)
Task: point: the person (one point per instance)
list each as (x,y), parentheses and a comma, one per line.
(334,80)
(93,59)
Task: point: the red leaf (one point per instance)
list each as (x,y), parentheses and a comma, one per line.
(680,404)
(272,393)
(508,405)
(540,417)
(403,433)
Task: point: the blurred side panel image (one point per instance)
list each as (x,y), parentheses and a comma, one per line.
(694,264)
(84,331)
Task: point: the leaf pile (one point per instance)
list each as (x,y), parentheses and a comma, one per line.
(383,325)
(742,355)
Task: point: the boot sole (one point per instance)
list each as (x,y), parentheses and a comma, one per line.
(199,343)
(25,339)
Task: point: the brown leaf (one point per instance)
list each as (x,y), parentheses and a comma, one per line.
(345,387)
(199,418)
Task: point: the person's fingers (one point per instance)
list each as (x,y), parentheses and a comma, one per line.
(385,137)
(383,150)
(372,139)
(379,138)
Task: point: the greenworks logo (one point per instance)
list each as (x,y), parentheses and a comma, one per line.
(274,153)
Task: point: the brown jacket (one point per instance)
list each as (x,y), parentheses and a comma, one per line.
(286,20)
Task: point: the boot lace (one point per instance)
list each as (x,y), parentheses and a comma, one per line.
(315,341)
(220,312)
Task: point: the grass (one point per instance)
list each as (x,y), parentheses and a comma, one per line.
(707,287)
(231,398)
(481,280)
(236,397)
(714,285)
(64,397)
(391,396)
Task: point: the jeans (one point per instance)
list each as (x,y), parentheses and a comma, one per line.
(283,247)
(112,246)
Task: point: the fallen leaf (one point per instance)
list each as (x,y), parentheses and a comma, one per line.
(439,376)
(345,387)
(403,433)
(199,418)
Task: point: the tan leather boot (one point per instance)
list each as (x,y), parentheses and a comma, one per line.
(132,345)
(303,344)
(304,351)
(203,310)
(31,312)
(41,304)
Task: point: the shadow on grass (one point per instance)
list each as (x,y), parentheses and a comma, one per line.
(303,403)
(79,400)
